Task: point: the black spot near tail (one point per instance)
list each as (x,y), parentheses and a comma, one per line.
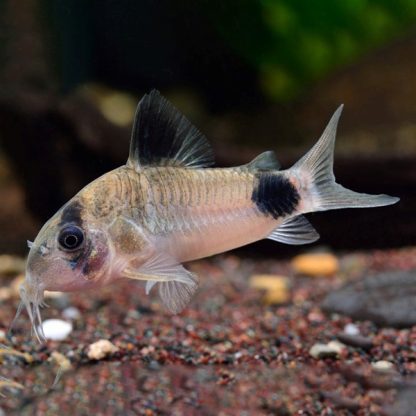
(72,214)
(274,195)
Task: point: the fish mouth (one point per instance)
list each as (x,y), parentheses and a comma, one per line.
(32,301)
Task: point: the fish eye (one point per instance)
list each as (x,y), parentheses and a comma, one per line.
(70,238)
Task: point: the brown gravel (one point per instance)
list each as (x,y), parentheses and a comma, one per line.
(229,353)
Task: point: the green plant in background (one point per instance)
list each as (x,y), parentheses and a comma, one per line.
(293,43)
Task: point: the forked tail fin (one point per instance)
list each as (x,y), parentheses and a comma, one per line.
(317,186)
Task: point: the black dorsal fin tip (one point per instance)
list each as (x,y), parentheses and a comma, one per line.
(162,136)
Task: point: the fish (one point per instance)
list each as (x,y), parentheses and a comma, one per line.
(168,205)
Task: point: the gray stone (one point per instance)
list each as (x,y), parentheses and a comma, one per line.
(387,299)
(404,404)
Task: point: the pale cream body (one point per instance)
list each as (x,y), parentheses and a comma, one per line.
(185,213)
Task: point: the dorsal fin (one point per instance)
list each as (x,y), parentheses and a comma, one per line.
(162,136)
(264,161)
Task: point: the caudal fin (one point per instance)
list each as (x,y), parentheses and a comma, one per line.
(319,191)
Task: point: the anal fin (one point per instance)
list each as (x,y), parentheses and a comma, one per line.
(296,230)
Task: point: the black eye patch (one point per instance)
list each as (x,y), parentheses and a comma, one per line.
(72,214)
(71,238)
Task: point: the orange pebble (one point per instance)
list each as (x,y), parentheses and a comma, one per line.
(317,264)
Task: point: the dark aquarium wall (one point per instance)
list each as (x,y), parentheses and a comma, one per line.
(252,75)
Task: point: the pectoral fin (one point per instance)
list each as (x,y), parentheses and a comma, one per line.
(176,284)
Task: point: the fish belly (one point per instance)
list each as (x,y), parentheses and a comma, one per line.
(222,232)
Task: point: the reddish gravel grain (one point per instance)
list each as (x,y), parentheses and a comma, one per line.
(227,354)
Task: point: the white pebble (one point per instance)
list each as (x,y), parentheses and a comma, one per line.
(72,313)
(382,365)
(332,349)
(351,329)
(56,329)
(101,349)
(320,351)
(337,346)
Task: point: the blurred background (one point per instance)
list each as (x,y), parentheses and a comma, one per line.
(253,75)
(327,332)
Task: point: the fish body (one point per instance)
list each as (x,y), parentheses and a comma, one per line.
(187,213)
(167,206)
